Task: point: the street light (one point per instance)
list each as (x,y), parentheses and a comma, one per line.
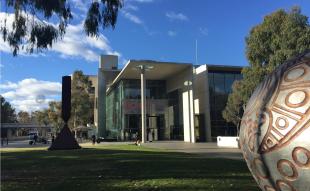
(142,69)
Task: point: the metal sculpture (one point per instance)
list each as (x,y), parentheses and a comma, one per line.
(65,140)
(275,128)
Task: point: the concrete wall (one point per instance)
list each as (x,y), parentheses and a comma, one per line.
(184,82)
(106,74)
(94,80)
(177,81)
(201,98)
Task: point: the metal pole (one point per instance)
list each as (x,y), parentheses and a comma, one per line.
(190,114)
(143,114)
(196,51)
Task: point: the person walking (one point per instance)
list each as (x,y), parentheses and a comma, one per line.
(138,142)
(93,139)
(35,138)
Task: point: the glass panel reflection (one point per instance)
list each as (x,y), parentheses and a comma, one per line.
(220,86)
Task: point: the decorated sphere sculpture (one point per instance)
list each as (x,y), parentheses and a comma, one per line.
(275,128)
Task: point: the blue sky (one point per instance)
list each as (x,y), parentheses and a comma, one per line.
(163,30)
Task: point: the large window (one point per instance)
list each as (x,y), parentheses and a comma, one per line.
(114,112)
(155,89)
(119,124)
(220,86)
(176,119)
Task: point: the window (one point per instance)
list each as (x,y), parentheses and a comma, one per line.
(220,86)
(219,83)
(229,80)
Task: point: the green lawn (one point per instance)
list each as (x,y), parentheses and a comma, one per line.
(122,167)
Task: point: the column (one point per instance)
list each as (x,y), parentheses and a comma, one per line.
(143,114)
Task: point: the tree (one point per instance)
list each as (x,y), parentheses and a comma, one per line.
(280,36)
(82,106)
(29,30)
(54,114)
(234,106)
(23,117)
(8,114)
(41,117)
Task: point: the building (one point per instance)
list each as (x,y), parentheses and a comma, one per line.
(21,131)
(183,101)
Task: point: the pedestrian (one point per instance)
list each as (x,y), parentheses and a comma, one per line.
(138,142)
(35,137)
(53,138)
(93,139)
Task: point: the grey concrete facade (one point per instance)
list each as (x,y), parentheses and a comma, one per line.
(107,71)
(201,99)
(190,81)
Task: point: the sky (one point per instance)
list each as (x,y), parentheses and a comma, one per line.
(161,30)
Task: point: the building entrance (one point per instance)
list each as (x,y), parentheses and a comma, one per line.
(156,127)
(200,128)
(132,127)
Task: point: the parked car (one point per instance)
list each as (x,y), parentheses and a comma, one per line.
(42,140)
(102,139)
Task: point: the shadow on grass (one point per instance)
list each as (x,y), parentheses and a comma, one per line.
(129,168)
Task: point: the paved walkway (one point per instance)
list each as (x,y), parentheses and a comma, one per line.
(22,144)
(209,150)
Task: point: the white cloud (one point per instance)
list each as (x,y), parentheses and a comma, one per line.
(81,5)
(133,18)
(203,31)
(23,95)
(4,46)
(75,43)
(172,33)
(172,16)
(8,85)
(130,7)
(29,104)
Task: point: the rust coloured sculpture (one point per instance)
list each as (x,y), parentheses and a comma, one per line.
(65,140)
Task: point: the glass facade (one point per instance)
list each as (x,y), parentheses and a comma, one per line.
(155,89)
(164,109)
(114,112)
(176,122)
(123,109)
(220,86)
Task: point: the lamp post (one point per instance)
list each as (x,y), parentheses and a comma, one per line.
(142,69)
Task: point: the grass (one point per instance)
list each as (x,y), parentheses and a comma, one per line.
(120,167)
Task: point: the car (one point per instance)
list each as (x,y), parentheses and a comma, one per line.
(42,140)
(102,139)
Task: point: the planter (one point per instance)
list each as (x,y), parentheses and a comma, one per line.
(231,142)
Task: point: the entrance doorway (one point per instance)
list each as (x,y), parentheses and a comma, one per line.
(132,127)
(200,132)
(156,127)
